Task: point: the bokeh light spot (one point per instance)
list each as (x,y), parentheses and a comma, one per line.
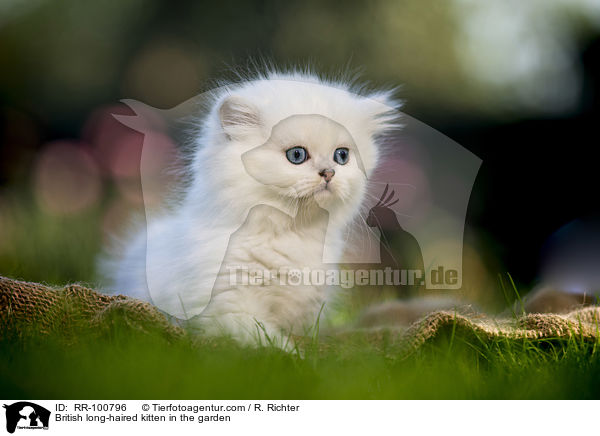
(66,179)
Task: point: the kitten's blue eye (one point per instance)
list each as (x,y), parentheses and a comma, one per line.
(296,155)
(341,155)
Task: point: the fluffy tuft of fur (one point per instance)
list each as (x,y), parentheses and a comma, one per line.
(246,205)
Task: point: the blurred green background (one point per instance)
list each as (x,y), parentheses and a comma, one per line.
(515,82)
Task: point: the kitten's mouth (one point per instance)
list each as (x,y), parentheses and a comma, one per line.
(322,187)
(319,191)
(322,191)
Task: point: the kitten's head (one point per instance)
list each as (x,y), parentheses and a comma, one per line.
(298,139)
(309,157)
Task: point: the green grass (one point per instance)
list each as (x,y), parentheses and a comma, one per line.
(125,365)
(38,247)
(45,248)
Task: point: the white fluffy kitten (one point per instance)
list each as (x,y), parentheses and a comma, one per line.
(270,190)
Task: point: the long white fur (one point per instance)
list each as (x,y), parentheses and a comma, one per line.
(181,261)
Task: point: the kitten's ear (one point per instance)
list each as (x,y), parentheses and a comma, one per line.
(238,117)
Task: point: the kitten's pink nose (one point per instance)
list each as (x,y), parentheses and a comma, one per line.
(327,174)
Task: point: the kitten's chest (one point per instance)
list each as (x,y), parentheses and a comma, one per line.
(272,239)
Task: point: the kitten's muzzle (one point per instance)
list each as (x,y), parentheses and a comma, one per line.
(327,174)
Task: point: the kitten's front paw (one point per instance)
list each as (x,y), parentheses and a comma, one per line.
(243,328)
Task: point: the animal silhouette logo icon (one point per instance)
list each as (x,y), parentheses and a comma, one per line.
(26,415)
(411,221)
